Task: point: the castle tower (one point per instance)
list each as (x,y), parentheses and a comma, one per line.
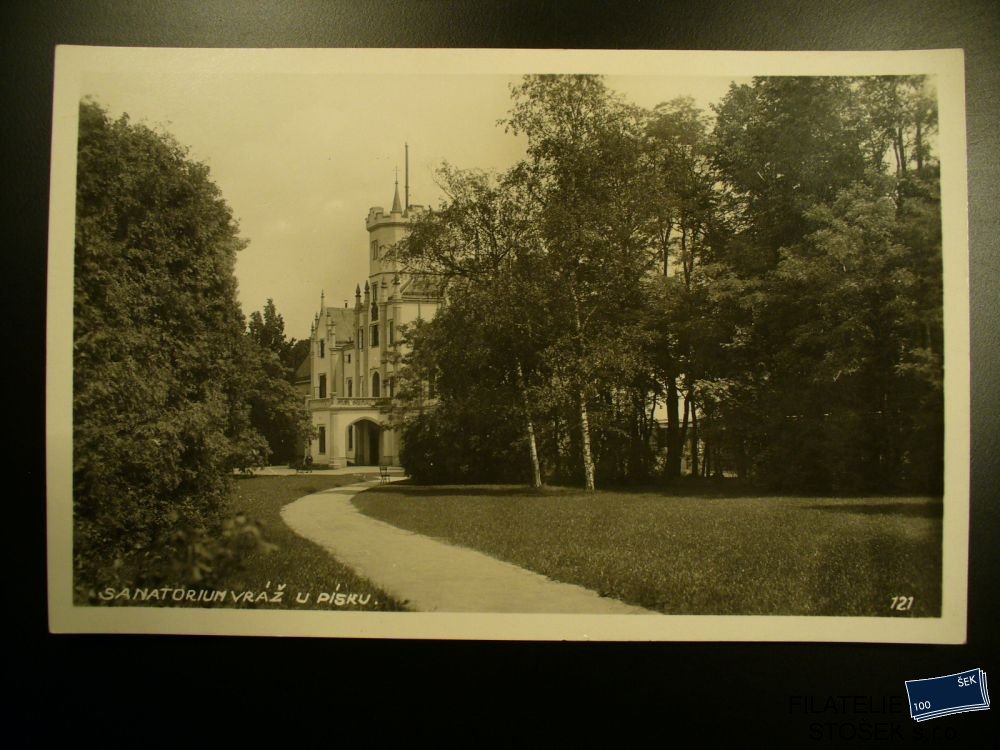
(386,229)
(355,359)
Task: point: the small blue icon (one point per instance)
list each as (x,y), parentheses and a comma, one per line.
(951,694)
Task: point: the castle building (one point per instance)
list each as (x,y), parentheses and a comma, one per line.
(354,357)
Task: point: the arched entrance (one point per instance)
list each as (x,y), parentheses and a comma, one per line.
(367,441)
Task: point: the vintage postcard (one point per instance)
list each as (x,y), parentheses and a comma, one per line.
(509,344)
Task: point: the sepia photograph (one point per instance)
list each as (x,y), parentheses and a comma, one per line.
(509,344)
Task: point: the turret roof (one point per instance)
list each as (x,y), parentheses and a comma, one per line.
(397,206)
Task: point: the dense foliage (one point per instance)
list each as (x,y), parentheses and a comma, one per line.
(164,374)
(275,408)
(754,291)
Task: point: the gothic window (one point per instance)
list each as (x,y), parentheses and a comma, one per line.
(350,438)
(322,348)
(392,335)
(392,387)
(322,386)
(322,440)
(374,338)
(376,386)
(350,388)
(374,311)
(348,358)
(374,250)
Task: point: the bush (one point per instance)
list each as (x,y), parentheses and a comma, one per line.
(181,556)
(442,446)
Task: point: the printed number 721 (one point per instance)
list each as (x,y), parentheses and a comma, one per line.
(901,603)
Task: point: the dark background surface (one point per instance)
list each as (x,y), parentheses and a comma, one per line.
(165,690)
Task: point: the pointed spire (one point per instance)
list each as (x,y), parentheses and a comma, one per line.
(397,208)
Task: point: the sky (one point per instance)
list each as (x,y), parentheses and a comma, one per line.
(301,157)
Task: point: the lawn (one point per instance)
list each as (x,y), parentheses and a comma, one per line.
(696,554)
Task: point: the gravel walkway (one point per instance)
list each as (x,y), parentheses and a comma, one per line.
(429,575)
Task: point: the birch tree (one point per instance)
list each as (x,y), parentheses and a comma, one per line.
(584,153)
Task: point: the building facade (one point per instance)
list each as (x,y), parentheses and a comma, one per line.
(355,350)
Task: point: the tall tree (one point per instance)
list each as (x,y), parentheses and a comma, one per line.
(584,151)
(267,329)
(683,197)
(782,145)
(834,235)
(900,118)
(275,409)
(160,412)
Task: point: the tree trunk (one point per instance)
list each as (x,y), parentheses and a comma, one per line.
(647,428)
(536,469)
(588,458)
(742,466)
(685,261)
(665,245)
(918,147)
(682,438)
(675,445)
(557,441)
(651,423)
(694,441)
(900,147)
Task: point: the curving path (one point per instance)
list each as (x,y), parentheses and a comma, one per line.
(432,576)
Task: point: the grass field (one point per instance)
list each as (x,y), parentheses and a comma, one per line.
(298,563)
(696,554)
